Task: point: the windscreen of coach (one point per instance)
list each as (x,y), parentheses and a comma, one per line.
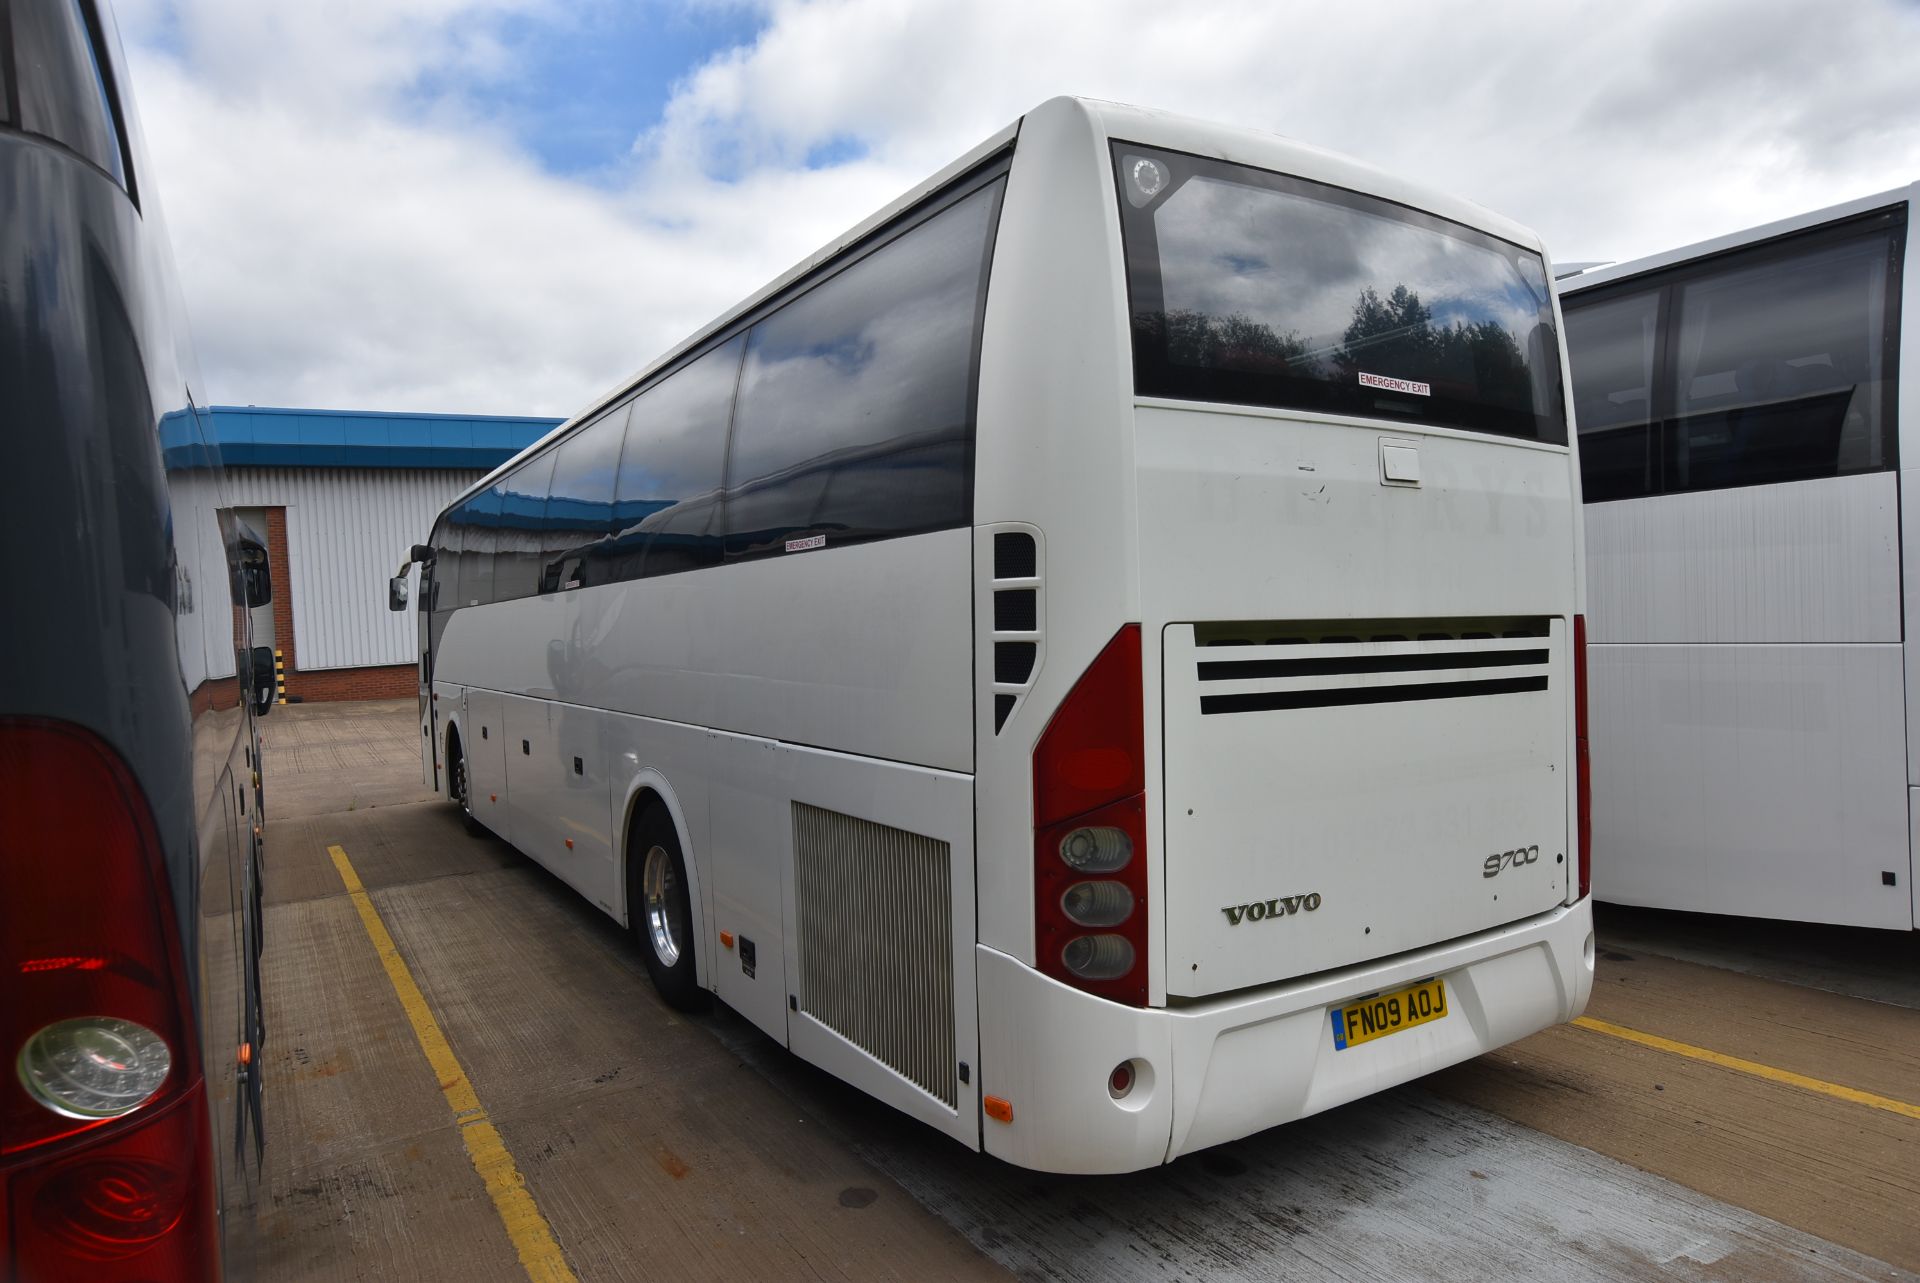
(1254,288)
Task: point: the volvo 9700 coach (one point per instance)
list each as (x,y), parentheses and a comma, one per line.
(1091,657)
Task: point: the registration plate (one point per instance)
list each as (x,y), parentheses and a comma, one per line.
(1388,1013)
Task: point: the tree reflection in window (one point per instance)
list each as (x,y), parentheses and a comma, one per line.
(1256,288)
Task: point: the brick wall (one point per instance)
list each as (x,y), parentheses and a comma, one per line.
(387,682)
(282,583)
(216,695)
(391,682)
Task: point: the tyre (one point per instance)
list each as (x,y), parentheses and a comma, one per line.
(660,909)
(460,787)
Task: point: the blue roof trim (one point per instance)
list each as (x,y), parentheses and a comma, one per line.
(270,437)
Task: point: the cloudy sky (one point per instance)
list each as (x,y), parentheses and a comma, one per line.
(506,205)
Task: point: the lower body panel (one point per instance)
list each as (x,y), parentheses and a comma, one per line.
(1767,781)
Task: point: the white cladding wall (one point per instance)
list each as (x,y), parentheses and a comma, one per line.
(348,529)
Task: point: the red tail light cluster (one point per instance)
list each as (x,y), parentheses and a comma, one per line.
(1583,762)
(1090,832)
(104,1146)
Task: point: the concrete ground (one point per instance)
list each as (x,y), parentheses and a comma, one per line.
(571,1126)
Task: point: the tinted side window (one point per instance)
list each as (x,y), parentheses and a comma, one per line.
(855,413)
(1772,364)
(666,506)
(63,92)
(520,550)
(1613,346)
(479,520)
(579,513)
(1781,368)
(448,543)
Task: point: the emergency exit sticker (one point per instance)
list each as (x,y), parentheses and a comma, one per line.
(811,541)
(1394,385)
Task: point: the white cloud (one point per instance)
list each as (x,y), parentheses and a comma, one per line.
(347,238)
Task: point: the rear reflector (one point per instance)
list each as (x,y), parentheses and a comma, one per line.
(1091,752)
(133,1206)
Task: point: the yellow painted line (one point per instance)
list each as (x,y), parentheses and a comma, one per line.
(1753,1067)
(531,1235)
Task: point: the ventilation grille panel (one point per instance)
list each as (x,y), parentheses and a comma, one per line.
(1016,610)
(1017,616)
(1276,667)
(1015,555)
(875,913)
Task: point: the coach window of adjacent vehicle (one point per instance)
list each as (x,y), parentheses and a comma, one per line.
(579,513)
(521,547)
(1613,346)
(1781,365)
(62,86)
(666,508)
(855,413)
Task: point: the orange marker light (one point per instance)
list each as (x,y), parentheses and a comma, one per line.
(569,842)
(726,939)
(493,797)
(999,1108)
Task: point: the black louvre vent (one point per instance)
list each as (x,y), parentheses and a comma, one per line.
(1016,610)
(1015,556)
(1013,662)
(1226,670)
(1344,696)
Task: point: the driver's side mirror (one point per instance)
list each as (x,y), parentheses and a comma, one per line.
(397,593)
(265,687)
(256,578)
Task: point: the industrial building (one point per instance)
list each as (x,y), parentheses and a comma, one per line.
(341,495)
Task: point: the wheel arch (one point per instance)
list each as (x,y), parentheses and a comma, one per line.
(646,790)
(453,734)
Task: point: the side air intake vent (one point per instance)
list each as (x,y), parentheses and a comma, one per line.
(1017,612)
(875,912)
(1013,662)
(1015,555)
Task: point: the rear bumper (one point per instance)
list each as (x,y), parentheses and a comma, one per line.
(1222,1069)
